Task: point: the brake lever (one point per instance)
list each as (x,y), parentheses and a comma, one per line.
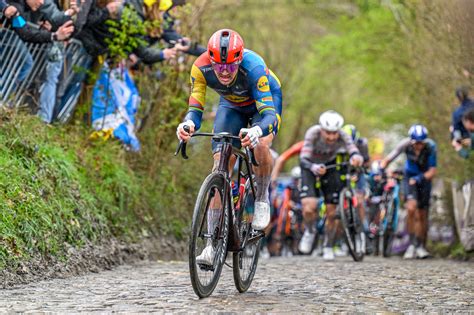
(182,145)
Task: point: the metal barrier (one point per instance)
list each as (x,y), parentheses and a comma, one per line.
(22,67)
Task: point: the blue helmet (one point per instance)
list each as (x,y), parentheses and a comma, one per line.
(418,132)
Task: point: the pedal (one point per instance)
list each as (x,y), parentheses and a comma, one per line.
(205,267)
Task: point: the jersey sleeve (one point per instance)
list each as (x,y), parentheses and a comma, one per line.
(351,147)
(401,147)
(197,98)
(308,147)
(263,99)
(293,150)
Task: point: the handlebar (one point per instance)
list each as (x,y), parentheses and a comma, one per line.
(218,136)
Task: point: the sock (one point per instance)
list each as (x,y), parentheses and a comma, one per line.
(309,227)
(213,216)
(418,242)
(412,239)
(262,188)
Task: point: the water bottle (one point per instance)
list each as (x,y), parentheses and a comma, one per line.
(235,192)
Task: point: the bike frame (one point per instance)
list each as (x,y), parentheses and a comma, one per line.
(226,151)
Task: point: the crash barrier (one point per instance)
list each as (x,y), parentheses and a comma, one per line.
(23,67)
(20,65)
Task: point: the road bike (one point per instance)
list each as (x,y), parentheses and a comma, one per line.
(223,220)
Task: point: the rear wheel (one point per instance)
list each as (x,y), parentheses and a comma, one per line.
(352,225)
(210,227)
(245,261)
(389,230)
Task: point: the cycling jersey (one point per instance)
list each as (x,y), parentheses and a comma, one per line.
(316,150)
(255,86)
(415,165)
(292,151)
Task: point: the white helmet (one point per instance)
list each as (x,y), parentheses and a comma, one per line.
(331,121)
(296,172)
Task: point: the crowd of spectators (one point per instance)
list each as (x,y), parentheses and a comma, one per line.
(57,22)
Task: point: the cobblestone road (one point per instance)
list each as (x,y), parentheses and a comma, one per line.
(298,284)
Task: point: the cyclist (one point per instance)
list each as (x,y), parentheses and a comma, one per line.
(361,185)
(420,168)
(250,94)
(322,144)
(295,149)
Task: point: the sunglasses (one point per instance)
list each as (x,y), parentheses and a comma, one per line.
(221,67)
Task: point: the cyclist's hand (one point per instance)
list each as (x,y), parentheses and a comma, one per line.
(318,169)
(182,134)
(357,160)
(252,135)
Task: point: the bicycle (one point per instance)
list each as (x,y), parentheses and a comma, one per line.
(385,218)
(230,229)
(349,215)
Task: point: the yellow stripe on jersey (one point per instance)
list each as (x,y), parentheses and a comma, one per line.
(198,87)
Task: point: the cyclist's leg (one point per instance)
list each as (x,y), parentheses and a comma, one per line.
(331,185)
(227,120)
(411,206)
(309,199)
(424,194)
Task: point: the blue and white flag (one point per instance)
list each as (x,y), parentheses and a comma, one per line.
(115,102)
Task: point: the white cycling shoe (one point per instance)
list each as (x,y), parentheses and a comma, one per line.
(306,243)
(328,254)
(261,216)
(421,252)
(410,253)
(207,256)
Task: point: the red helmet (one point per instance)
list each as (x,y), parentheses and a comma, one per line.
(225,46)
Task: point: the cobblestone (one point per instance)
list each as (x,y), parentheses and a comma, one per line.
(281,285)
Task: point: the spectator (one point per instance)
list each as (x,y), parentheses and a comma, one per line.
(151,10)
(466,145)
(170,35)
(7,10)
(55,27)
(457,128)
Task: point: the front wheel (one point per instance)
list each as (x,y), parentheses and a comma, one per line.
(352,225)
(245,261)
(210,228)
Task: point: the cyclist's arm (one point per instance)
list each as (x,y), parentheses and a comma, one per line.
(351,147)
(263,100)
(197,97)
(401,147)
(308,147)
(280,162)
(432,163)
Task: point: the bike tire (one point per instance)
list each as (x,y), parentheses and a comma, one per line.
(389,232)
(213,182)
(243,277)
(351,224)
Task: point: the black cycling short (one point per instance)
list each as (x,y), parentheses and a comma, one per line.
(331,185)
(421,192)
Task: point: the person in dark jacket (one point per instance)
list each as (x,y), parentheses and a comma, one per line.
(38,11)
(457,128)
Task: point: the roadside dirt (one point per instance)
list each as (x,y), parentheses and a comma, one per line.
(92,258)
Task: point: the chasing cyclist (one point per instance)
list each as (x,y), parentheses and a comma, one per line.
(322,144)
(420,168)
(250,95)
